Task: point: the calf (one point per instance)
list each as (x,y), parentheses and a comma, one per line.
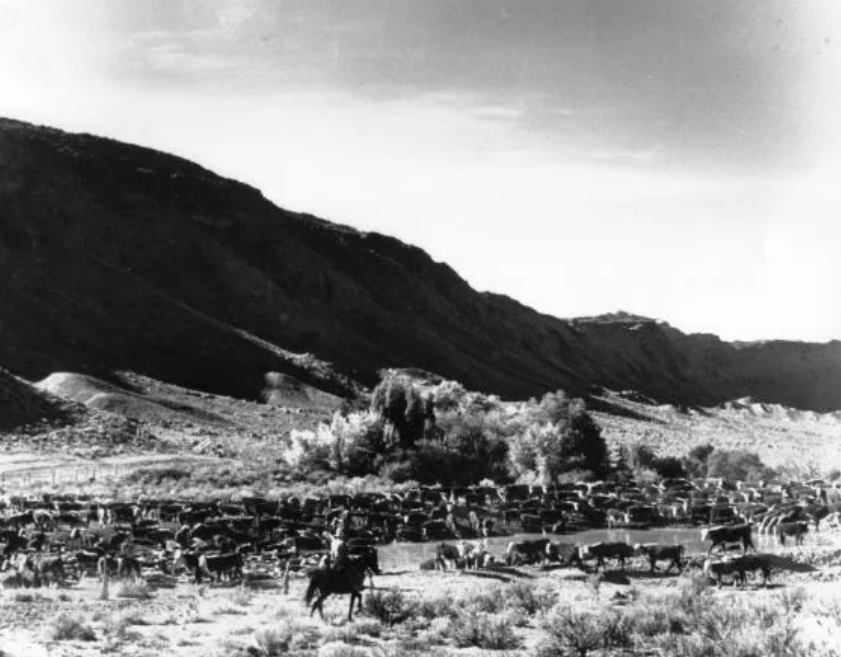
(671,553)
(602,551)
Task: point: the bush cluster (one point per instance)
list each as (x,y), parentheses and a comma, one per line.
(444,434)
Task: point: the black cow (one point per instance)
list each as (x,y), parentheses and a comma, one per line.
(525,552)
(724,534)
(190,562)
(215,566)
(602,551)
(671,553)
(739,567)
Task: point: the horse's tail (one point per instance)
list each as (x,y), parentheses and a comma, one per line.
(312,588)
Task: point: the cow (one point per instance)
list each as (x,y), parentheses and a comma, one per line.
(616,518)
(654,552)
(472,554)
(566,554)
(739,567)
(215,566)
(49,569)
(525,552)
(86,561)
(128,567)
(724,534)
(12,541)
(436,530)
(797,530)
(715,570)
(448,554)
(189,561)
(602,551)
(761,562)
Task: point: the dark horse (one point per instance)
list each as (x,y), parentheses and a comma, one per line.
(348,579)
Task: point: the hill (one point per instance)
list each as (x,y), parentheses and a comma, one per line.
(119,258)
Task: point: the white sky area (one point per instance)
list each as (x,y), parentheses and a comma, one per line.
(673,158)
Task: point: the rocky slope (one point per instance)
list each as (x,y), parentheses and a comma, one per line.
(115,257)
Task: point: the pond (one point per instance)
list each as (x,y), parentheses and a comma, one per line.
(411,555)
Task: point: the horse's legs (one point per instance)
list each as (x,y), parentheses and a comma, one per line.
(319,603)
(350,608)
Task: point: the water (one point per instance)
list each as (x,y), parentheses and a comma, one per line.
(400,556)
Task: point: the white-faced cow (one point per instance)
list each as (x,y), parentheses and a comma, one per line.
(525,552)
(566,554)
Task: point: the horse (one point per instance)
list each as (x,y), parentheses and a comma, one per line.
(326,580)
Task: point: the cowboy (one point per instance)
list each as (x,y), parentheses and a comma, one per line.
(337,557)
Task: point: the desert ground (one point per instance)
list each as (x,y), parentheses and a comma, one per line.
(520,611)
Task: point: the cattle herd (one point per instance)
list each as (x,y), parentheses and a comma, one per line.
(53,539)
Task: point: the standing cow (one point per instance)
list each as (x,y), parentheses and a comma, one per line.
(602,551)
(654,553)
(729,534)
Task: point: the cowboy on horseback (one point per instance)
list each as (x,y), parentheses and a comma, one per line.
(337,557)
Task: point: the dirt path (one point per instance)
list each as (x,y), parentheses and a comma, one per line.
(29,467)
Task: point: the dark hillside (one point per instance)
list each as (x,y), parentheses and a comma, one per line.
(115,257)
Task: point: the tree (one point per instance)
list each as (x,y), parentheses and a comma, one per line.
(402,407)
(561,437)
(669,467)
(738,465)
(697,461)
(583,442)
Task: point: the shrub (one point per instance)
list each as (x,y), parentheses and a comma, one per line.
(440,607)
(582,631)
(67,627)
(529,599)
(133,590)
(339,649)
(488,601)
(287,636)
(482,630)
(389,607)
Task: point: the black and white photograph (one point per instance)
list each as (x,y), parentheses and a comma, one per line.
(393,328)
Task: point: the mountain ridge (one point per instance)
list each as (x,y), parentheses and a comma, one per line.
(118,257)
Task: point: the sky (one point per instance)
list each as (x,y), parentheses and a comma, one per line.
(677,159)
